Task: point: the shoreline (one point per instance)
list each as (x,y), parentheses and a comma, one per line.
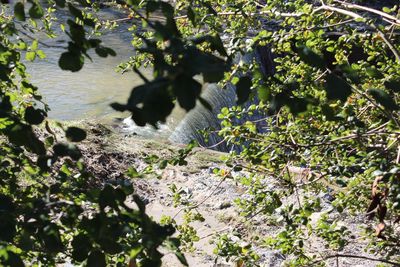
(110,155)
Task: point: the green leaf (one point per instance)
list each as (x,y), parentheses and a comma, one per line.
(52,238)
(186,90)
(173,244)
(63,150)
(374,73)
(192,16)
(310,57)
(23,135)
(19,11)
(384,99)
(107,197)
(77,31)
(119,107)
(181,257)
(81,247)
(104,51)
(34,45)
(40,54)
(152,6)
(89,22)
(393,85)
(14,260)
(337,88)
(101,52)
(36,11)
(6,204)
(350,73)
(297,105)
(133,2)
(132,172)
(75,11)
(75,134)
(386,10)
(205,103)
(71,61)
(155,99)
(264,93)
(8,222)
(215,43)
(135,250)
(96,259)
(34,116)
(243,89)
(60,3)
(30,56)
(197,62)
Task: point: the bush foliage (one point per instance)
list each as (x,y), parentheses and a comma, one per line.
(331,99)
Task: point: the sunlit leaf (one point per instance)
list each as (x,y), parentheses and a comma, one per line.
(36,11)
(19,11)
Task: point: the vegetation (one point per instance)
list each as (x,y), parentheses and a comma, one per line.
(331,94)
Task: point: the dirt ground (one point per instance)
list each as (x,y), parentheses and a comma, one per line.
(109,154)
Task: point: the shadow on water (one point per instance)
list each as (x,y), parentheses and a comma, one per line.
(88,93)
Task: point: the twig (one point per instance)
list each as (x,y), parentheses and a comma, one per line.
(388,43)
(215,145)
(40,42)
(354,257)
(357,16)
(372,10)
(235,13)
(203,200)
(320,177)
(339,10)
(331,25)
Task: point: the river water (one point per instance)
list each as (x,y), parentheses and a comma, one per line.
(89,92)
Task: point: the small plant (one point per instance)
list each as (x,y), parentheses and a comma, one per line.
(232,248)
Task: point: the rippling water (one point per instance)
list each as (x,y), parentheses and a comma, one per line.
(89,92)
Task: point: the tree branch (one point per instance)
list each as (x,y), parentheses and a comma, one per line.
(357,16)
(393,19)
(354,257)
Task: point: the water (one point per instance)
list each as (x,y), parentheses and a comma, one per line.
(89,92)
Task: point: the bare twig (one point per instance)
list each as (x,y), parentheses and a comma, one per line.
(393,19)
(354,257)
(357,16)
(339,10)
(203,200)
(388,43)
(40,42)
(263,12)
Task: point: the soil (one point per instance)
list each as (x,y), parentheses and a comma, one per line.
(109,154)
